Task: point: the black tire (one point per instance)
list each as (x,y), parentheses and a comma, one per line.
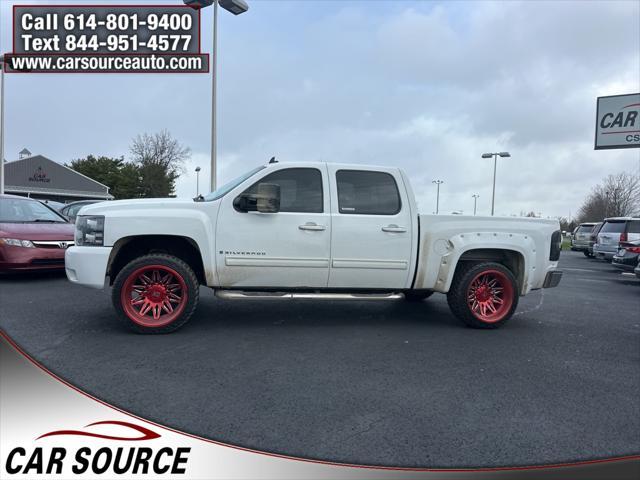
(186,283)
(458,296)
(586,253)
(417,296)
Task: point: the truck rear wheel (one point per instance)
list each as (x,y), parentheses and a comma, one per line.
(483,295)
(156,293)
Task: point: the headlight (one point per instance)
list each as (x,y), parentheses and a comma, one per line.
(89,231)
(14,242)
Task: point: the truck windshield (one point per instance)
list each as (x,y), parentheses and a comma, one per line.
(227,187)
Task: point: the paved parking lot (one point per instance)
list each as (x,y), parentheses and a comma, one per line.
(387,383)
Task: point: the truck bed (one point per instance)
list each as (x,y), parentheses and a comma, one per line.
(443,240)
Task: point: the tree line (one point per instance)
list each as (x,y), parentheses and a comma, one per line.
(618,195)
(156,161)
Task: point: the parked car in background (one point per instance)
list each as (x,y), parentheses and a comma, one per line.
(593,236)
(614,231)
(627,256)
(32,235)
(71,209)
(572,235)
(581,237)
(57,206)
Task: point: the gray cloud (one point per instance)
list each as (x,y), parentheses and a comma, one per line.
(424,86)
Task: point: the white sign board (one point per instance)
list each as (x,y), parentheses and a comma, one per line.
(618,121)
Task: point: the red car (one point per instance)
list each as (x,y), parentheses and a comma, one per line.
(32,235)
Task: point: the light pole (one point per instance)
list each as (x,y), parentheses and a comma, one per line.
(236,7)
(1,124)
(3,61)
(197,181)
(438,183)
(475,202)
(495,164)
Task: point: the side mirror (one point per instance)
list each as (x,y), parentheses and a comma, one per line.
(241,203)
(268,198)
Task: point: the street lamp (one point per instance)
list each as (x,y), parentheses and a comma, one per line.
(495,163)
(2,61)
(236,7)
(438,183)
(197,181)
(475,202)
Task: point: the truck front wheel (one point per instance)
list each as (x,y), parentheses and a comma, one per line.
(155,293)
(483,295)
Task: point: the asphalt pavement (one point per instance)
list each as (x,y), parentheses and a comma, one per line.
(380,383)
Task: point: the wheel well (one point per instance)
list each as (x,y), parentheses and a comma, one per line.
(511,259)
(129,248)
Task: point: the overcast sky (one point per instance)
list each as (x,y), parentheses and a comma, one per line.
(426,86)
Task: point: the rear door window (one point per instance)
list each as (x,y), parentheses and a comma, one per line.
(585,228)
(367,193)
(613,226)
(596,229)
(634,226)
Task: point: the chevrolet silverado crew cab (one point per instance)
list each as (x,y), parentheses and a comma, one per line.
(307,230)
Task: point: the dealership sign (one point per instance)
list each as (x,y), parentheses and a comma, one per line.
(618,121)
(39,176)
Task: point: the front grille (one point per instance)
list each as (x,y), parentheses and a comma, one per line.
(54,243)
(48,261)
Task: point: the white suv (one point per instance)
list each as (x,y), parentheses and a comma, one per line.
(614,231)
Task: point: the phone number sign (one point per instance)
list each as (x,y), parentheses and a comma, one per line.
(106,30)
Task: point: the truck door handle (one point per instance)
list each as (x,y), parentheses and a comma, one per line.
(394,229)
(312,226)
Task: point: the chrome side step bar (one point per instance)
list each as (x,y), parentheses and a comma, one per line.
(238,294)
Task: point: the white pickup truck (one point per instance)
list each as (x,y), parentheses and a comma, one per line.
(307,230)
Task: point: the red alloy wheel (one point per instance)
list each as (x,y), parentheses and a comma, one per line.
(154,296)
(490,296)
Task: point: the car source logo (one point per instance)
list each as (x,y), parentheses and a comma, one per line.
(121,457)
(39,176)
(63,244)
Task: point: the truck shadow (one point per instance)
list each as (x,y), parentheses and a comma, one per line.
(231,314)
(33,276)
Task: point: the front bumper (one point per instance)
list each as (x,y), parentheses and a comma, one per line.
(20,259)
(625,262)
(552,279)
(607,252)
(87,265)
(580,246)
